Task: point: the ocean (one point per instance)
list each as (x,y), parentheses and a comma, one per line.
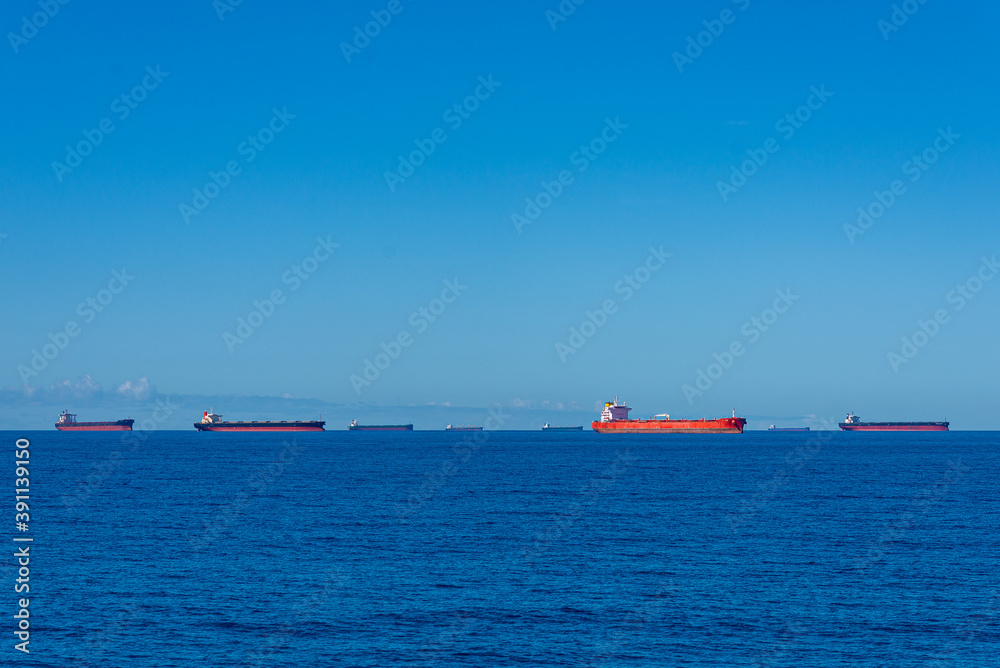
(508,549)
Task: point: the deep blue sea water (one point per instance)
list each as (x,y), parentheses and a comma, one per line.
(525,549)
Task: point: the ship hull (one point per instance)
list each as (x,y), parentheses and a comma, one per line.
(720,426)
(895,426)
(465,429)
(376,427)
(260,426)
(562,428)
(120,425)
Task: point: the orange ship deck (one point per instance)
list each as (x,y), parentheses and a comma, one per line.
(729,425)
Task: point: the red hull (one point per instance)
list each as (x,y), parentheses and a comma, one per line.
(733,425)
(211,428)
(82,426)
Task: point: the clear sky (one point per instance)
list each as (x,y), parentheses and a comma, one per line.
(311,120)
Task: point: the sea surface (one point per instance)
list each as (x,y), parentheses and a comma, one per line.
(508,549)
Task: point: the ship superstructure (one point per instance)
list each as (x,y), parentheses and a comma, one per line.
(615,420)
(463,427)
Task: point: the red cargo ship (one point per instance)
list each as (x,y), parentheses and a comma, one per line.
(67,422)
(213,422)
(854,423)
(615,420)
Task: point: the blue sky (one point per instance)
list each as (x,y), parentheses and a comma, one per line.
(341,126)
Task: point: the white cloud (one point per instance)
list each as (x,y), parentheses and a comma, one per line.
(139,390)
(65,389)
(83,391)
(543,405)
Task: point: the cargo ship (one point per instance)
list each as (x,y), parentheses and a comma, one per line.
(615,420)
(463,427)
(547,427)
(67,422)
(213,422)
(853,423)
(773,428)
(354,426)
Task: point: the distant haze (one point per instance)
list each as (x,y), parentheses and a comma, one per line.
(700,207)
